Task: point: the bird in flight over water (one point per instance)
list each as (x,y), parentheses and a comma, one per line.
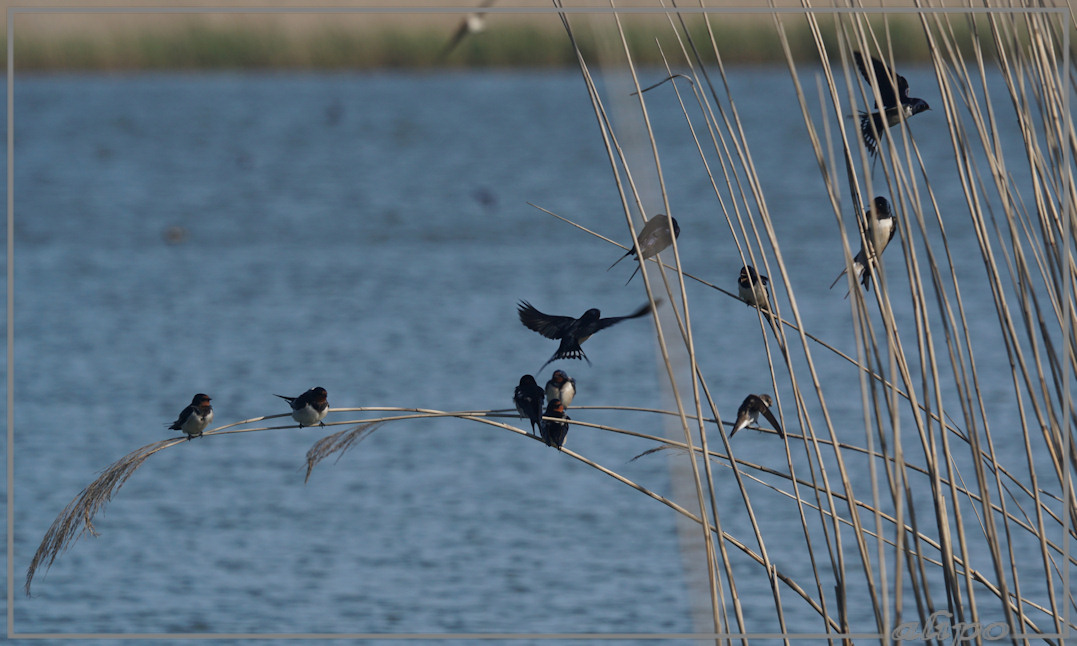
(571,331)
(472,23)
(896,106)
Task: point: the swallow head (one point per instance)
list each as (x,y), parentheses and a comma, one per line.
(319,394)
(881,207)
(201,400)
(766,400)
(676,227)
(559,377)
(590,316)
(749,275)
(915,106)
(528,380)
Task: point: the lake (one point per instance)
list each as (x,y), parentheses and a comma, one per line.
(246,235)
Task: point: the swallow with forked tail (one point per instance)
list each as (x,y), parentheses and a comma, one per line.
(572,332)
(749,412)
(309,408)
(654,237)
(896,106)
(195,418)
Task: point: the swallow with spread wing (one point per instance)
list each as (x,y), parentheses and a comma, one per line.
(896,106)
(572,332)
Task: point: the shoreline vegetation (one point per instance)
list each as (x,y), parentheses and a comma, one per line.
(200,43)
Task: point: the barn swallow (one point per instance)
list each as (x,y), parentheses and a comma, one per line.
(472,23)
(881,225)
(195,418)
(554,433)
(572,332)
(654,237)
(749,411)
(752,288)
(897,104)
(561,386)
(309,408)
(529,398)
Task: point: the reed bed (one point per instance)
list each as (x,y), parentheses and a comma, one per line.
(927,514)
(910,376)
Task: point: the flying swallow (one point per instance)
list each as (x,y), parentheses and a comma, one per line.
(572,332)
(554,433)
(309,408)
(897,104)
(749,411)
(654,237)
(561,386)
(881,225)
(472,23)
(195,418)
(529,398)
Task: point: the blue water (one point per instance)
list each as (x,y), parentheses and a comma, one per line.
(371,234)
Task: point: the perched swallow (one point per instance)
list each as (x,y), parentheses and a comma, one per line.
(880,231)
(554,433)
(654,237)
(749,411)
(309,408)
(529,398)
(195,418)
(897,104)
(752,288)
(472,23)
(572,332)
(561,386)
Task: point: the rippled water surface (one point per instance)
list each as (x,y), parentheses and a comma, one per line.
(372,234)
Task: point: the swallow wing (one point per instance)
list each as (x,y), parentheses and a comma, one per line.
(883,78)
(291,401)
(184,414)
(903,88)
(773,421)
(613,320)
(457,36)
(548,325)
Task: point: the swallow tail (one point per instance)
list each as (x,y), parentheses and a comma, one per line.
(568,350)
(287,399)
(627,254)
(865,279)
(838,278)
(868,128)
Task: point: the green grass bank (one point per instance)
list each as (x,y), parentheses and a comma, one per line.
(191,43)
